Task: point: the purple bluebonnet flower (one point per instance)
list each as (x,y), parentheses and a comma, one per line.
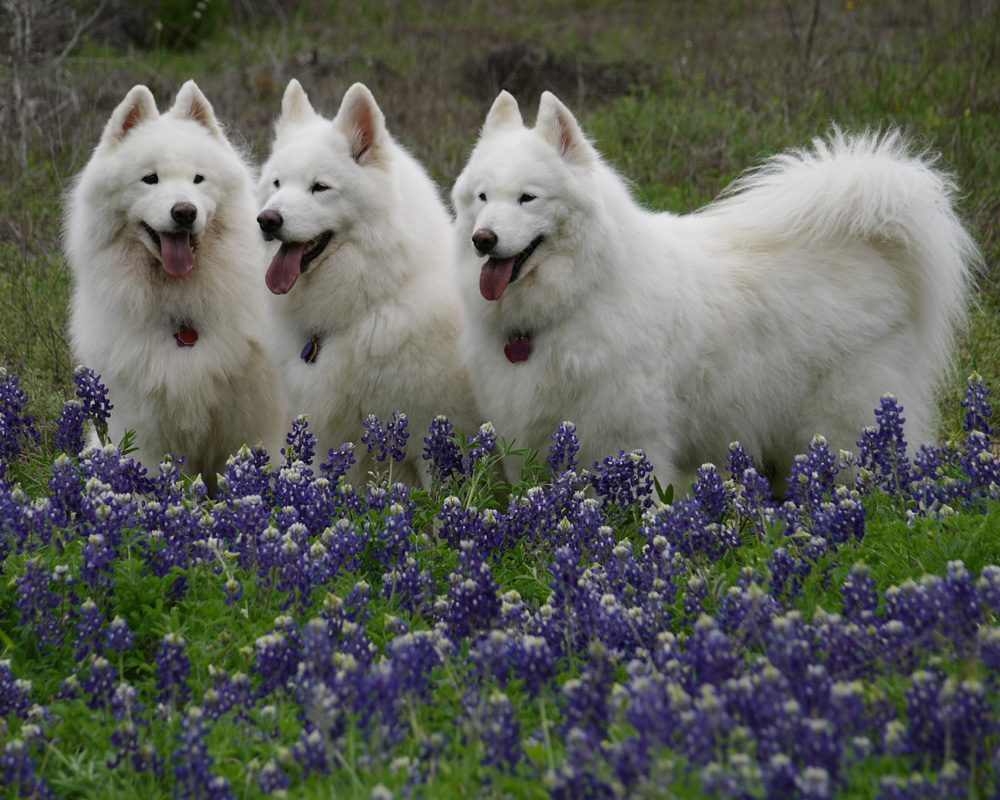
(752,496)
(860,595)
(506,655)
(340,461)
(499,731)
(69,432)
(562,454)
(409,586)
(788,572)
(15,694)
(414,655)
(98,682)
(15,425)
(118,637)
(586,698)
(91,404)
(685,526)
(88,627)
(473,600)
(978,409)
(193,764)
(386,440)
(625,480)
(94,396)
(948,718)
(124,703)
(172,670)
(981,467)
(481,445)
(246,475)
(18,768)
(310,751)
(441,449)
(272,778)
(277,656)
(122,475)
(99,556)
(128,711)
(711,492)
(579,775)
(988,588)
(711,653)
(226,693)
(746,610)
(882,458)
(38,603)
(813,475)
(344,545)
(397,434)
(301,443)
(394,537)
(841,519)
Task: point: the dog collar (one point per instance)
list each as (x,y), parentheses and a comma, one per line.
(518,347)
(186,337)
(311,350)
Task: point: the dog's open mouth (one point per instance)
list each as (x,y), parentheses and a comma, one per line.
(291,260)
(497,273)
(176,250)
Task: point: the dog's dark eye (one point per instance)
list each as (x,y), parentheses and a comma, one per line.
(482,196)
(525,198)
(151,178)
(277,184)
(318,187)
(199,178)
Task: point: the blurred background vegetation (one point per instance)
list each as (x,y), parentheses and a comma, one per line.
(680,96)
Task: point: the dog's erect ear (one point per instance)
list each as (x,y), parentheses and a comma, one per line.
(137,107)
(504,113)
(192,104)
(559,127)
(363,122)
(295,106)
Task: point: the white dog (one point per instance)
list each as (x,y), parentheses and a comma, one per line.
(822,281)
(368,315)
(168,306)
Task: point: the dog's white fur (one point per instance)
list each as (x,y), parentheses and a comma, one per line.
(821,281)
(381,296)
(205,401)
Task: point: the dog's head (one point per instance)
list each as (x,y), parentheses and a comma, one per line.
(516,196)
(323,179)
(165,175)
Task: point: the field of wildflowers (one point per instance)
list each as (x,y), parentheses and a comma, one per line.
(572,636)
(569,637)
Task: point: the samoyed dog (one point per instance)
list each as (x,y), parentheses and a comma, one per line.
(168,305)
(364,292)
(819,282)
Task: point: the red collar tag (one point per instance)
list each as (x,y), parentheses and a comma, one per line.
(517,349)
(186,337)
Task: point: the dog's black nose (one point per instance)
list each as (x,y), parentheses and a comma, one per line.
(484,239)
(184,214)
(270,221)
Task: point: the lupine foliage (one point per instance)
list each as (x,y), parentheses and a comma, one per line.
(568,636)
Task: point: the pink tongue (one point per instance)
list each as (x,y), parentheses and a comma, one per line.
(175,250)
(286,267)
(495,277)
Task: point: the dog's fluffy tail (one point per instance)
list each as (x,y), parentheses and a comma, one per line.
(873,188)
